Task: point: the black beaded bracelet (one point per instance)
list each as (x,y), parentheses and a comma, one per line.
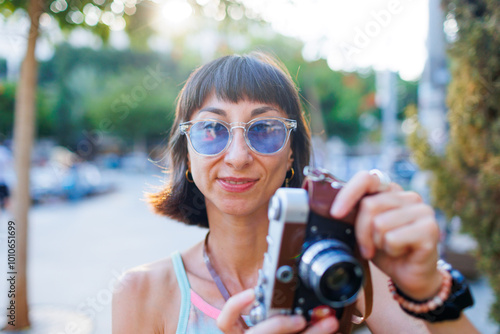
(424,306)
(458,299)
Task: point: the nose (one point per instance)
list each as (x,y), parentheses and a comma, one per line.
(238,153)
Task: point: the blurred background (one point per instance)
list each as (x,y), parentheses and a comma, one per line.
(87,99)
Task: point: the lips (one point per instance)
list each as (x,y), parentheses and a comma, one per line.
(233,184)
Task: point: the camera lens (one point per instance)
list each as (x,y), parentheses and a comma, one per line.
(335,278)
(329,268)
(340,282)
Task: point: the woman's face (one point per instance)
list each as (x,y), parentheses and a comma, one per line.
(239,181)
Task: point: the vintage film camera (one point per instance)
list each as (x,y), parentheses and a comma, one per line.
(313,261)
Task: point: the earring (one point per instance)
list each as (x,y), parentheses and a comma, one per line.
(288,179)
(188,173)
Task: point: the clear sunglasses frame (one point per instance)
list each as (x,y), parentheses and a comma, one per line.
(289,124)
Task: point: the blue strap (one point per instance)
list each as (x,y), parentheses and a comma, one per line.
(183,282)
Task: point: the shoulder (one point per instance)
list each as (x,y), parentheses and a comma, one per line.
(147,299)
(146,281)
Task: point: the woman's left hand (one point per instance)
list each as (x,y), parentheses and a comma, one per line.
(396,230)
(229,319)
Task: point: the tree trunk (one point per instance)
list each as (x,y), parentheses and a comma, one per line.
(24,131)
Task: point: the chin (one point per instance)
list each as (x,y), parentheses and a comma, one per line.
(241,207)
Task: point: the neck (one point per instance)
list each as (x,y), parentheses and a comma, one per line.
(236,247)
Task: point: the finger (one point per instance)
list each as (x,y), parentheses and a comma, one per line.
(325,326)
(392,219)
(280,324)
(228,319)
(395,187)
(361,184)
(372,206)
(421,237)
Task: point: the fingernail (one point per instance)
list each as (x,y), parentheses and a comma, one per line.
(364,252)
(329,323)
(248,294)
(298,320)
(337,209)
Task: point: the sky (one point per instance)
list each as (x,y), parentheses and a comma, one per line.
(384,34)
(353,34)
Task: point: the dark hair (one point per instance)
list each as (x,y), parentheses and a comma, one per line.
(255,77)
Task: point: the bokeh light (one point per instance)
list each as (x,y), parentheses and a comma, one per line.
(176,11)
(58,6)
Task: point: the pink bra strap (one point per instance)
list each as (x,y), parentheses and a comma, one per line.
(203,306)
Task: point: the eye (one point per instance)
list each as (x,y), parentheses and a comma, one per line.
(262,126)
(212,126)
(268,126)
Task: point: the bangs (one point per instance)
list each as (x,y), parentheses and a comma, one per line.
(236,78)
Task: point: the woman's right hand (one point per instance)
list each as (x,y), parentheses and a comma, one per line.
(228,320)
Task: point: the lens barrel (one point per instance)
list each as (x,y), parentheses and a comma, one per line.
(329,268)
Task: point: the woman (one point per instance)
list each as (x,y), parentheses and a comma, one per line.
(239,135)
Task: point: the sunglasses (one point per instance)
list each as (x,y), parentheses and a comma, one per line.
(264,135)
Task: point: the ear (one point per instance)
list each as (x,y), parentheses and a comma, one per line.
(188,161)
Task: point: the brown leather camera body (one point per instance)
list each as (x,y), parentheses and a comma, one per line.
(322,193)
(298,234)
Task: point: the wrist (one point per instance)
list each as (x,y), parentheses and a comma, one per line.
(452,298)
(424,305)
(423,291)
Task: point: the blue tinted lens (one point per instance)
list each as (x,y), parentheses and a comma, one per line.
(209,137)
(267,136)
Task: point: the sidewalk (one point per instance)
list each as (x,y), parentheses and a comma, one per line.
(78,250)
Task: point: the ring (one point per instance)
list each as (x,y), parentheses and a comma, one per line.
(385,180)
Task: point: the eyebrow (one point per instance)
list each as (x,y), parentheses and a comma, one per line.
(255,112)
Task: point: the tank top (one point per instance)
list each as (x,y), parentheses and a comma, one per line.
(196,315)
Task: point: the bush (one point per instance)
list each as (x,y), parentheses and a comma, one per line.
(44,117)
(466,179)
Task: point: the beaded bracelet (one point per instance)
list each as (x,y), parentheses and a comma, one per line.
(428,305)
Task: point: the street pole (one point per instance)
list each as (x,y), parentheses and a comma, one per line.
(387,100)
(435,78)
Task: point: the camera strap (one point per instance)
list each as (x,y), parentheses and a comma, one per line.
(216,277)
(322,188)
